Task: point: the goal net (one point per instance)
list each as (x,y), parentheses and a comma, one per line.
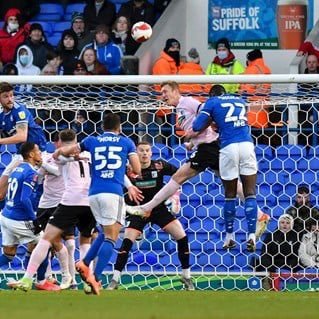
(284,123)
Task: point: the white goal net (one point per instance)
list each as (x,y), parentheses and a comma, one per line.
(284,124)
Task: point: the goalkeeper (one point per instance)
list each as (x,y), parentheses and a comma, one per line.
(150,182)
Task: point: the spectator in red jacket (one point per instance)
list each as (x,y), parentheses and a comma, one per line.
(309,48)
(12,35)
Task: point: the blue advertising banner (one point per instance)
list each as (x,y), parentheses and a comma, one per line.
(264,24)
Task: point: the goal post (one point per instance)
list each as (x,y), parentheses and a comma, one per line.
(286,149)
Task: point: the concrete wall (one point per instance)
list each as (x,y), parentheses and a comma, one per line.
(187,21)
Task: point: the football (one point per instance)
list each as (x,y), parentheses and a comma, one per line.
(141,31)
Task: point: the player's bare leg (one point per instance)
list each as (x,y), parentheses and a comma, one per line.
(176,230)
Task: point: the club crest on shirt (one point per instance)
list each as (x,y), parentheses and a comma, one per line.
(21,115)
(154,174)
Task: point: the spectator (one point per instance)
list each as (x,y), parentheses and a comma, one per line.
(68,51)
(49,69)
(138,10)
(38,45)
(25,66)
(311,89)
(28,8)
(92,64)
(258,113)
(80,68)
(169,60)
(108,53)
(225,63)
(53,62)
(280,248)
(82,126)
(12,35)
(121,35)
(160,6)
(78,26)
(302,211)
(99,12)
(10,69)
(309,247)
(308,48)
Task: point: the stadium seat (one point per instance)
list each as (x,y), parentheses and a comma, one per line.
(50,12)
(302,164)
(54,40)
(160,150)
(50,147)
(290,151)
(309,177)
(264,151)
(59,27)
(73,7)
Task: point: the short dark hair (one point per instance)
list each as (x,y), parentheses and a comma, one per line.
(26,148)
(217,90)
(5,87)
(144,143)
(111,122)
(303,189)
(67,135)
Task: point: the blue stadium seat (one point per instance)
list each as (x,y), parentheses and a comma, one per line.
(264,151)
(50,147)
(313,152)
(309,177)
(54,39)
(290,151)
(5,158)
(11,148)
(60,26)
(160,150)
(314,163)
(1,24)
(50,12)
(276,165)
(47,27)
(302,164)
(74,7)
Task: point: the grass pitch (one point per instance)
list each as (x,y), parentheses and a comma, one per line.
(158,305)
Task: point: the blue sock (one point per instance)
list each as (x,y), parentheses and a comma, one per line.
(104,256)
(251,213)
(42,269)
(4,260)
(94,249)
(229,214)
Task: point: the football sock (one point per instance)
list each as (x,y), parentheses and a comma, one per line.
(94,249)
(39,253)
(229,214)
(183,252)
(251,213)
(104,256)
(26,259)
(122,255)
(63,258)
(5,259)
(168,190)
(70,246)
(84,248)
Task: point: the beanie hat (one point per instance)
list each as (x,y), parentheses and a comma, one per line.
(171,43)
(223,43)
(193,55)
(36,26)
(254,54)
(79,64)
(77,15)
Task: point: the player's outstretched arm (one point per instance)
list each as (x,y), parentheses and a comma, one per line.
(67,151)
(20,136)
(135,164)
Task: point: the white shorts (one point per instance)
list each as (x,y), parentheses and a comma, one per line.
(108,208)
(237,159)
(16,160)
(17,232)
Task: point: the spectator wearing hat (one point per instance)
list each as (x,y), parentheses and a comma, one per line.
(54,61)
(28,8)
(78,26)
(93,66)
(225,63)
(108,53)
(12,35)
(170,59)
(99,12)
(138,10)
(38,44)
(258,92)
(10,69)
(80,68)
(68,51)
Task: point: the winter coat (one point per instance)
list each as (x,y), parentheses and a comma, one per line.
(309,250)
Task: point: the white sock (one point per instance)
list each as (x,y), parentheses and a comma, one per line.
(70,245)
(186,273)
(229,236)
(168,190)
(116,275)
(63,258)
(252,236)
(48,272)
(83,251)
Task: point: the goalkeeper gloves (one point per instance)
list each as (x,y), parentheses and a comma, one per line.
(173,203)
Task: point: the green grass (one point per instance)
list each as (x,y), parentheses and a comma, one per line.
(158,305)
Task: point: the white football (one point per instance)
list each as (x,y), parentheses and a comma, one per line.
(141,31)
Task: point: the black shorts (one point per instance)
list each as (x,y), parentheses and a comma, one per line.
(43,215)
(69,217)
(159,216)
(206,156)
